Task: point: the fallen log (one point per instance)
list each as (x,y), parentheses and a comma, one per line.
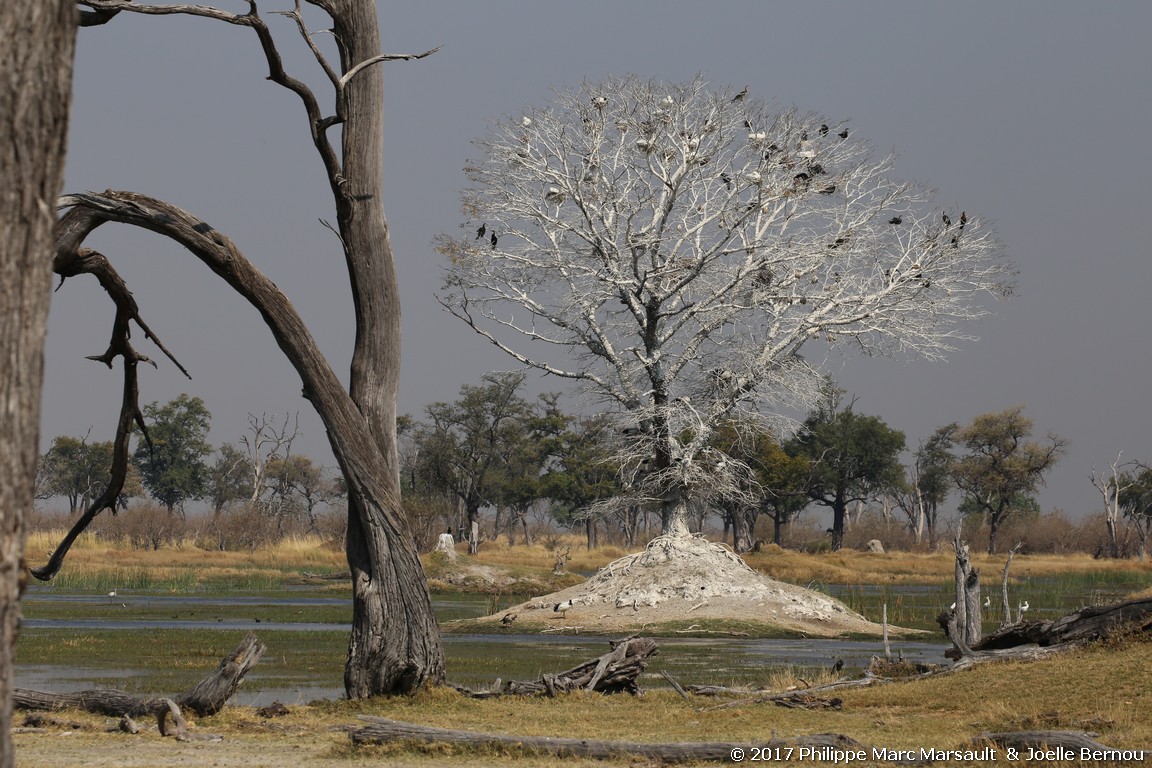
(1096,622)
(1059,740)
(205,698)
(382,731)
(614,672)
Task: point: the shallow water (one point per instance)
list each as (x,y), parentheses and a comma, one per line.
(287,674)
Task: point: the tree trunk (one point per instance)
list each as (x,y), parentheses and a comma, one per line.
(37,43)
(394,645)
(839,515)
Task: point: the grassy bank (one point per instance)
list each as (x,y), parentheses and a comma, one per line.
(1104,689)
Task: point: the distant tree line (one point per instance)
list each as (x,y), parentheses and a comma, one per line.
(258,476)
(501,464)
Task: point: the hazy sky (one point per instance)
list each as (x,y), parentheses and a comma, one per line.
(1036,114)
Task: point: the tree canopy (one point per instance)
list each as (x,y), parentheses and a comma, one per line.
(1001,467)
(853,458)
(172,458)
(673,248)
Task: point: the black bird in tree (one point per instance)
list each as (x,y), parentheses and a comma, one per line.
(726,179)
(740,96)
(843,134)
(944,217)
(829,190)
(823,129)
(493,241)
(895,220)
(480,232)
(963,219)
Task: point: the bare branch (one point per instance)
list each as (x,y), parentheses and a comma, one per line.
(681,247)
(351,73)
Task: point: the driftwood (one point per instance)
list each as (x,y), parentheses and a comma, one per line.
(614,672)
(205,698)
(382,731)
(1095,622)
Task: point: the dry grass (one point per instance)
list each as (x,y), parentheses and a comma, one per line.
(1107,690)
(95,563)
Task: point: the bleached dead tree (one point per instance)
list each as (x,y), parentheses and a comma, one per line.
(394,645)
(266,443)
(1111,489)
(673,248)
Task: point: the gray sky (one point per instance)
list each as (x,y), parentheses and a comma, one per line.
(1036,114)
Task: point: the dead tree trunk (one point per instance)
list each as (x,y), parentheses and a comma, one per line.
(963,625)
(394,645)
(36,52)
(205,698)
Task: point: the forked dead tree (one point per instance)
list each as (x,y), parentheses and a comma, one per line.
(395,643)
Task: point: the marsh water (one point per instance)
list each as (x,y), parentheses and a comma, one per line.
(144,641)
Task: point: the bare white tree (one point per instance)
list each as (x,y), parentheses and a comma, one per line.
(674,247)
(1111,488)
(265,444)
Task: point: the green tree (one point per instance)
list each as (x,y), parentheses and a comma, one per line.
(778,488)
(518,479)
(853,457)
(582,473)
(229,478)
(465,442)
(173,464)
(928,482)
(75,469)
(1001,466)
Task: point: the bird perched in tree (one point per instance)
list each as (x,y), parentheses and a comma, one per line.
(828,190)
(843,134)
(963,219)
(726,179)
(481,230)
(740,96)
(493,241)
(823,129)
(895,221)
(599,102)
(508,618)
(944,217)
